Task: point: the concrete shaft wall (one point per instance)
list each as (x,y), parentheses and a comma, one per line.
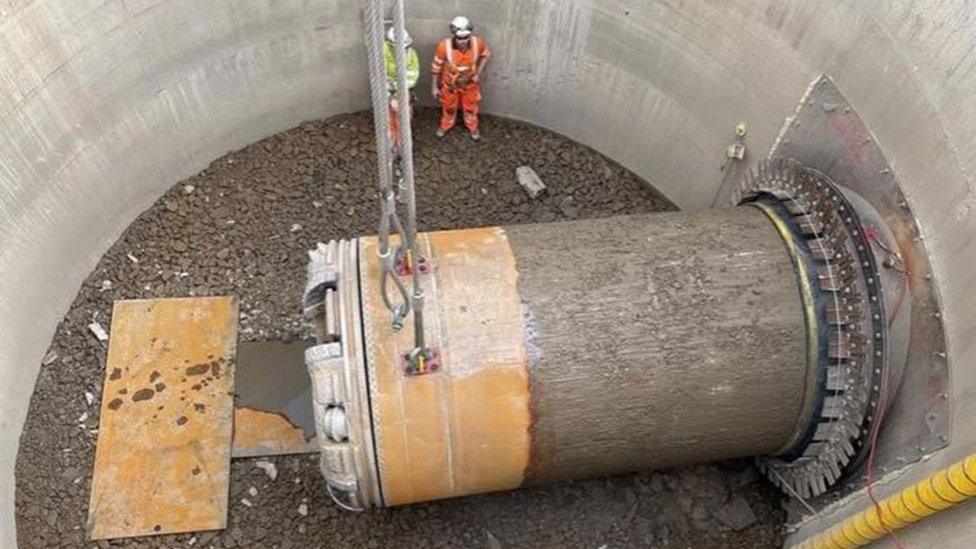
(105,103)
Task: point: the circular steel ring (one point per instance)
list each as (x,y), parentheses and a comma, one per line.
(853,319)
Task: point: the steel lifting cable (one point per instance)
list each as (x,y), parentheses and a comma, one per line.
(373,22)
(406,164)
(373,11)
(398,312)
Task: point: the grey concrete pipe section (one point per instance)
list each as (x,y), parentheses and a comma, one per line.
(660,340)
(105,103)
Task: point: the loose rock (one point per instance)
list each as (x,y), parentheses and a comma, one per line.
(98,331)
(269,469)
(530,181)
(737,514)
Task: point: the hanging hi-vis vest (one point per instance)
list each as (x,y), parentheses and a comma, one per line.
(413,67)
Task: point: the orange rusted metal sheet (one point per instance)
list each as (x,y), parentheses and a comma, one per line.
(162,461)
(260,433)
(464,429)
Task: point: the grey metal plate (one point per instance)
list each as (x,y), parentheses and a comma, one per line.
(826,134)
(273,400)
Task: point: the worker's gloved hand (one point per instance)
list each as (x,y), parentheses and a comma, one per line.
(476,77)
(435,92)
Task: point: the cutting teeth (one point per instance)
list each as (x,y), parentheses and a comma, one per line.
(832,233)
(836,381)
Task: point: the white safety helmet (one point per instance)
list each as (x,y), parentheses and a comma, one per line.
(461,27)
(391,36)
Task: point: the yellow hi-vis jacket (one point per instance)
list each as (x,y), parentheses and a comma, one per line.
(413,67)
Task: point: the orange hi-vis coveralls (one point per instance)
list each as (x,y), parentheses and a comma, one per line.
(455,69)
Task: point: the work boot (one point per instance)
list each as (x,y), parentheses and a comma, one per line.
(476,135)
(440,132)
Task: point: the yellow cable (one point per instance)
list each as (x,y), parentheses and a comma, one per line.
(932,495)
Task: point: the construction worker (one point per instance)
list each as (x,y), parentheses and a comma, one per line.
(413,74)
(457,67)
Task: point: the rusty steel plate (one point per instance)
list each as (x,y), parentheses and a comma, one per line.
(162,461)
(273,400)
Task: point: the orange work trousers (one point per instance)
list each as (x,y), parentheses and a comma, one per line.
(395,134)
(468,98)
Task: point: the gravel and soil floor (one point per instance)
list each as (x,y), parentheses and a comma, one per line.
(242,227)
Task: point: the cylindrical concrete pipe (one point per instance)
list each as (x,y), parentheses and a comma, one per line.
(574,349)
(641,332)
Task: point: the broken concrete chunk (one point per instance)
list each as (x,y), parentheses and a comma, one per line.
(269,469)
(530,181)
(246,502)
(49,358)
(252,491)
(303,510)
(98,331)
(736,514)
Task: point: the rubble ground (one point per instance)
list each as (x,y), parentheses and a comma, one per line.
(242,226)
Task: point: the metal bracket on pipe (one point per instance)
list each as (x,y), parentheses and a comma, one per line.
(323,275)
(420,362)
(404,266)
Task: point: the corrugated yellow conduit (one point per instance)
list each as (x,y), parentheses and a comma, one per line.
(932,495)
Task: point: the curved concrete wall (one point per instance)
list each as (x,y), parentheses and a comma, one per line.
(106,103)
